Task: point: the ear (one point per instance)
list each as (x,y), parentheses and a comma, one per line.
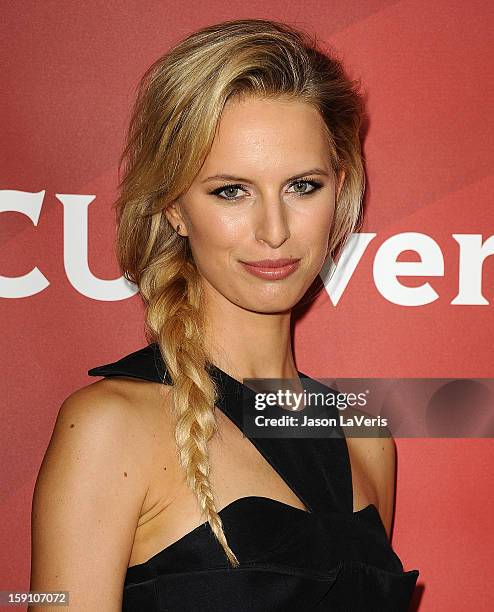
(175,218)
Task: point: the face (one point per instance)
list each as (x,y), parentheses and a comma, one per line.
(265,192)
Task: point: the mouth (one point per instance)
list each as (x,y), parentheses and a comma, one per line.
(272,269)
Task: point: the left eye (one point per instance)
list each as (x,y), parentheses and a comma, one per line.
(302,187)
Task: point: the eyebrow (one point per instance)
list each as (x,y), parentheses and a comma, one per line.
(231,177)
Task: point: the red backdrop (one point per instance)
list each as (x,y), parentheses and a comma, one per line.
(69,72)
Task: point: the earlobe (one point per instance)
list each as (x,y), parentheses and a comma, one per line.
(174,217)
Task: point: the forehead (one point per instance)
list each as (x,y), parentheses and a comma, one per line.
(265,134)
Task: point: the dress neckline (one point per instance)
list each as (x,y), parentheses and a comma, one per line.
(317,488)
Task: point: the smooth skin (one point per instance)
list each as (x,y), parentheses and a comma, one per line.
(110,492)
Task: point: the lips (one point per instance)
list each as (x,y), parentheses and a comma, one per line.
(271,269)
(271,263)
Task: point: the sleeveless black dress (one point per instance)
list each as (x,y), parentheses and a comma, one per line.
(327,558)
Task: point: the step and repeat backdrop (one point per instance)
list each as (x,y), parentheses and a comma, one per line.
(411,297)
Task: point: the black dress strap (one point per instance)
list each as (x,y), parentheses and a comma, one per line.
(316,469)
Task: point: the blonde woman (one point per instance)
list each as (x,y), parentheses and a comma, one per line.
(243,172)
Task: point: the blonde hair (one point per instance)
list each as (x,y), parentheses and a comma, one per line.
(178,106)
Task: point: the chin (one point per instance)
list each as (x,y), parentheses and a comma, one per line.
(267,310)
(268,304)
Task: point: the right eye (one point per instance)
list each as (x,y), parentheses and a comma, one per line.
(230,192)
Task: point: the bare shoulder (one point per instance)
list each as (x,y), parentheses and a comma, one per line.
(122,421)
(108,415)
(89,492)
(134,400)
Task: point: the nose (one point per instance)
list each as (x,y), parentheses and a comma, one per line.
(272,223)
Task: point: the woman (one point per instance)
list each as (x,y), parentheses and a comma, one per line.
(243,173)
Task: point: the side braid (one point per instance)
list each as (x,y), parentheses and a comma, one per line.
(194,392)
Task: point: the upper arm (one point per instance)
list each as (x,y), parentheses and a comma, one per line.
(381,460)
(87,500)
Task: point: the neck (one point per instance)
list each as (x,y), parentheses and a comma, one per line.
(247,344)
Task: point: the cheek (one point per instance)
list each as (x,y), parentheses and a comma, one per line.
(212,239)
(314,228)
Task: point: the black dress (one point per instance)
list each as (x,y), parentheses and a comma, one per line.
(327,558)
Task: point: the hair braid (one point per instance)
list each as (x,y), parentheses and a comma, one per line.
(194,392)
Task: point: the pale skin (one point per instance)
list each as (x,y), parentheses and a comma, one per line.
(110,493)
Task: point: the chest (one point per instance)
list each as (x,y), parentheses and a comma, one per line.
(237,469)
